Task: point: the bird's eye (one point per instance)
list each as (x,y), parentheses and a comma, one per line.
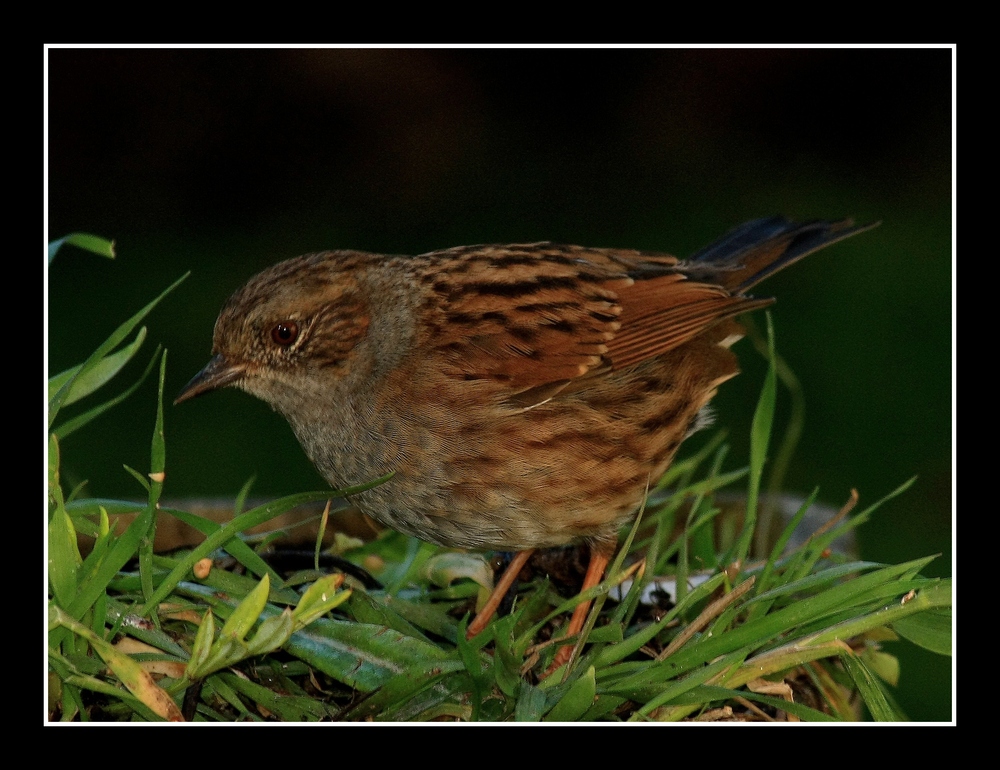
(285,333)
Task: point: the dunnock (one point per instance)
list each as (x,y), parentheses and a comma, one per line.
(523,395)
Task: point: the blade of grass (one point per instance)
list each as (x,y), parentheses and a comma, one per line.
(241,523)
(93,243)
(101,373)
(75,423)
(130,673)
(157,465)
(235,547)
(115,339)
(871,690)
(760,436)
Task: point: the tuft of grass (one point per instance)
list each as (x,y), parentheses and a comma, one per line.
(789,632)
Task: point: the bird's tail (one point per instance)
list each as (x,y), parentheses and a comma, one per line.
(751,252)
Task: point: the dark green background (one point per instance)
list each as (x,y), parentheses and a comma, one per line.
(225,161)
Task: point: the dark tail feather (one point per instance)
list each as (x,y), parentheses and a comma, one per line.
(753,251)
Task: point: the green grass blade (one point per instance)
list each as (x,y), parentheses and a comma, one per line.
(114,340)
(932,628)
(872,691)
(75,423)
(93,243)
(760,437)
(99,375)
(576,701)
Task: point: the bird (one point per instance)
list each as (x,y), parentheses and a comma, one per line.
(522,396)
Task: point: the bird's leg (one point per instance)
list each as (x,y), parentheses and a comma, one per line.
(601,552)
(503,585)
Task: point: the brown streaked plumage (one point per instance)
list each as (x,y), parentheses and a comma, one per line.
(524,395)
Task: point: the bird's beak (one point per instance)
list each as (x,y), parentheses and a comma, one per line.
(217,373)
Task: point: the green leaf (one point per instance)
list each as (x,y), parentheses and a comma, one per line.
(577,699)
(122,550)
(883,664)
(368,657)
(763,419)
(360,655)
(530,703)
(130,673)
(99,374)
(64,554)
(931,629)
(221,537)
(226,651)
(217,685)
(287,708)
(113,341)
(157,464)
(507,659)
(425,616)
(381,610)
(93,243)
(881,614)
(708,693)
(760,438)
(272,633)
(678,687)
(64,557)
(871,690)
(631,644)
(202,649)
(77,422)
(235,547)
(321,597)
(247,611)
(55,489)
(785,622)
(446,567)
(120,616)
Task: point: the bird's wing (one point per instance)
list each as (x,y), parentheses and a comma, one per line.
(531,318)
